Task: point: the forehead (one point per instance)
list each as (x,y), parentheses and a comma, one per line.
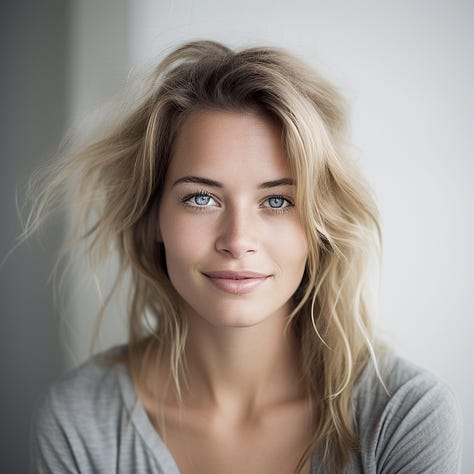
(229,144)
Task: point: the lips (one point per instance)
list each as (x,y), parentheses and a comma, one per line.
(236,283)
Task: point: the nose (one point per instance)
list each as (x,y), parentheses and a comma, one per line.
(237,236)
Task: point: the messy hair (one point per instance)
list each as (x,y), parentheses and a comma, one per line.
(118,181)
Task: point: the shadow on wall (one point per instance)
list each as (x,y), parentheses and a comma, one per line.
(34,56)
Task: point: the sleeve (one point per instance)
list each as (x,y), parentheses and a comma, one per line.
(52,447)
(421,430)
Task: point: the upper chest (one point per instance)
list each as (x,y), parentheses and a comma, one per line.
(201,441)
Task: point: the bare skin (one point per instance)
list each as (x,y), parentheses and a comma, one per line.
(244,408)
(259,428)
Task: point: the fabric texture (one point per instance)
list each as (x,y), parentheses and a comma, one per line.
(83,424)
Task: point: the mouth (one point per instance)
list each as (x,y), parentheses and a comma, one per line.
(236,283)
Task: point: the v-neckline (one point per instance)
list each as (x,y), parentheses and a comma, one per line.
(146,430)
(143,425)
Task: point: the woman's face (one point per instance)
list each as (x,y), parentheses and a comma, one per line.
(235,248)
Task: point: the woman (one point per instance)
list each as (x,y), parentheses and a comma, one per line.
(248,235)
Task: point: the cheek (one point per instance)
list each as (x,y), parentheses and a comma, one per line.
(184,242)
(290,245)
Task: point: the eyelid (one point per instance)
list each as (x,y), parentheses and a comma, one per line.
(202,192)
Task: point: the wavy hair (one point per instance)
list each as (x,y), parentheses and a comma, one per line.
(119,180)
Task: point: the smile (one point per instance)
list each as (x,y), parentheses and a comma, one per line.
(236,283)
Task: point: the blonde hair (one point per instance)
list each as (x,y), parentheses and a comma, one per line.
(120,179)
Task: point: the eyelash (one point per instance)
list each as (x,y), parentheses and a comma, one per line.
(276,210)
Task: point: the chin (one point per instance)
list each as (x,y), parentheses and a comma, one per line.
(239,316)
(234,322)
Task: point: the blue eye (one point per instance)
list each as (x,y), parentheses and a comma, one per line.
(276,202)
(201,199)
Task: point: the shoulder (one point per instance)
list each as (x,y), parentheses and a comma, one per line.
(77,415)
(401,379)
(413,424)
(89,389)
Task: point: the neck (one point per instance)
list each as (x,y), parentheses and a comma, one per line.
(241,368)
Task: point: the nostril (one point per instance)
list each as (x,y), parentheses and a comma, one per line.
(237,236)
(235,251)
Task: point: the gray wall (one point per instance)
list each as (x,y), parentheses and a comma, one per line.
(34,42)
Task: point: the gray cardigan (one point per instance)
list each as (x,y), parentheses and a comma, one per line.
(82,424)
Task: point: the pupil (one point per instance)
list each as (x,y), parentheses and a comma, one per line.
(202,200)
(276,202)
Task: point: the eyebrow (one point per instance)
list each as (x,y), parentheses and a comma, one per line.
(216,184)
